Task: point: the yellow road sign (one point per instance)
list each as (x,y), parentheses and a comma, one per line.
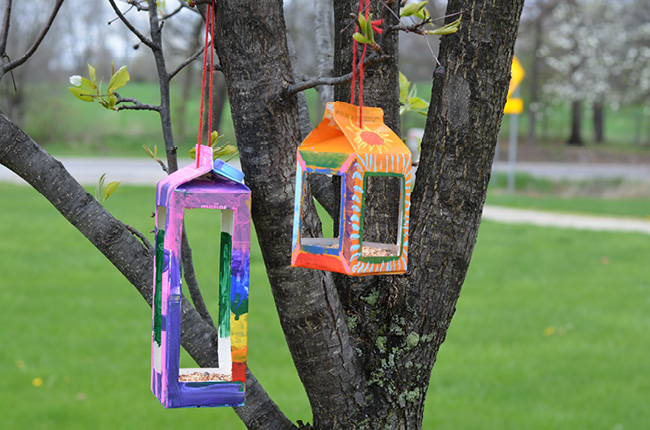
(514,105)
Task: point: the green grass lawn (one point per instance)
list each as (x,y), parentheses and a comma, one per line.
(551,331)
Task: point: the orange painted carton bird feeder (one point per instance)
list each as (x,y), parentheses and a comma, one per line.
(372,152)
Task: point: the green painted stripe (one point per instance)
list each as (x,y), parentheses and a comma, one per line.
(225,262)
(332,160)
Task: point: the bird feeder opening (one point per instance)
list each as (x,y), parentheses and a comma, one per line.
(213,230)
(381,219)
(331,229)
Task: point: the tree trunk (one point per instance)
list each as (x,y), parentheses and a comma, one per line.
(599,122)
(576,124)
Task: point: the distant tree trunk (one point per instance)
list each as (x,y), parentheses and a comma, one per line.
(576,124)
(533,105)
(599,122)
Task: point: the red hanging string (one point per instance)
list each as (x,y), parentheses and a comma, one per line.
(209,30)
(362,4)
(211,80)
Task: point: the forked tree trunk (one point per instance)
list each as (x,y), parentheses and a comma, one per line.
(372,373)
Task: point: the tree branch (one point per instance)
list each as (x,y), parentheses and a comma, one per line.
(4,30)
(134,231)
(180,8)
(133,30)
(187,62)
(19,61)
(136,104)
(327,80)
(324,44)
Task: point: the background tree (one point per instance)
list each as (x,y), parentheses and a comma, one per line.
(363,347)
(594,59)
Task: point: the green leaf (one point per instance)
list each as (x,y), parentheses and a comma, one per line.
(112,100)
(92,74)
(215,137)
(368,29)
(361,38)
(224,151)
(119,79)
(362,23)
(413,8)
(413,92)
(447,29)
(110,189)
(88,87)
(423,14)
(100,188)
(418,103)
(151,154)
(404,84)
(80,94)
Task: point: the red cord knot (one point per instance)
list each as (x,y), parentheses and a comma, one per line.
(376,25)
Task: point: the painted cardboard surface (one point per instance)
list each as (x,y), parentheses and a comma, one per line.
(212,186)
(338,146)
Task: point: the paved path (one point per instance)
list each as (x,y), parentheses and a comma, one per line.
(145,171)
(579,171)
(554,219)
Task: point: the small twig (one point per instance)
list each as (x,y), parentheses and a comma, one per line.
(329,80)
(188,61)
(163,165)
(355,19)
(180,8)
(117,18)
(416,27)
(426,39)
(19,61)
(137,5)
(140,236)
(130,26)
(390,10)
(137,105)
(462,12)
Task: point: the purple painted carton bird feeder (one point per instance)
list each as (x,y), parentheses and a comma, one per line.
(207,185)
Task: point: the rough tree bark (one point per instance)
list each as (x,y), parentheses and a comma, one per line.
(364,348)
